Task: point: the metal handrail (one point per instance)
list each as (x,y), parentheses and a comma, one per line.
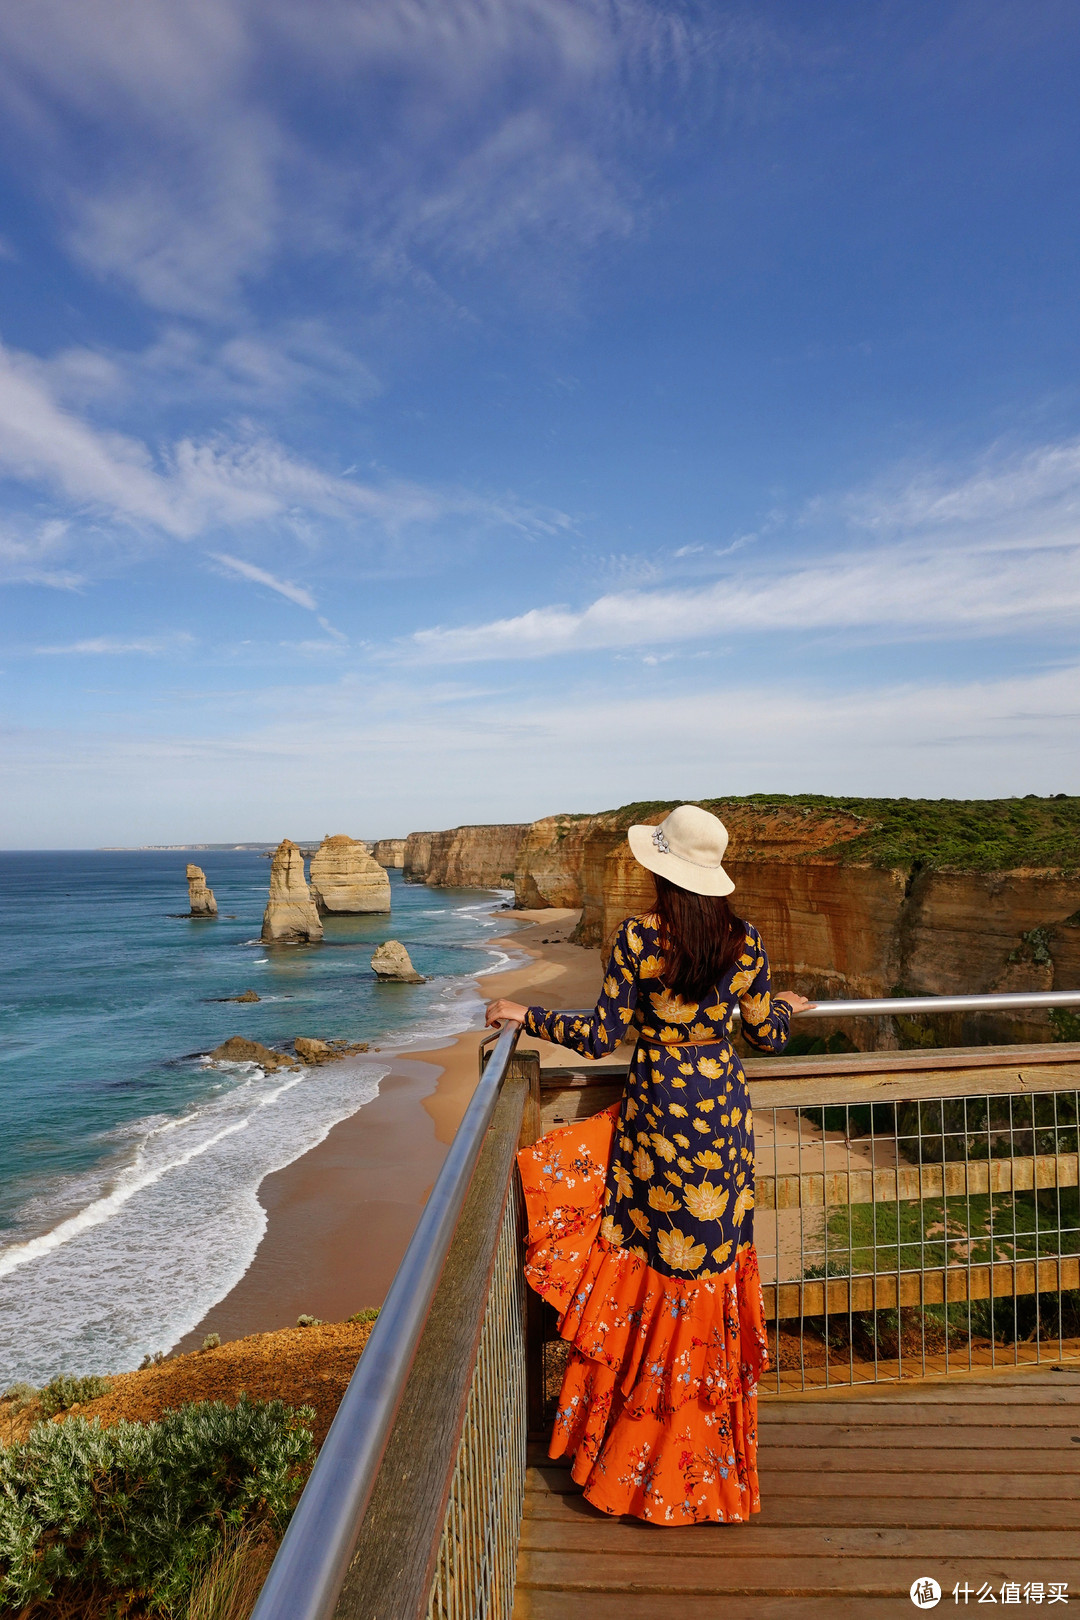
(884,1005)
(877,1007)
(306,1577)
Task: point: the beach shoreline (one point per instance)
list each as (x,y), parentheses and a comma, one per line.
(340,1217)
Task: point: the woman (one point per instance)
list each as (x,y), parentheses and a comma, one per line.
(641,1219)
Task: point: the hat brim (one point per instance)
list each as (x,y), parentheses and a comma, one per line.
(685,874)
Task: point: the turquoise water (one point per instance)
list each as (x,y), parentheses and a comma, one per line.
(128,1164)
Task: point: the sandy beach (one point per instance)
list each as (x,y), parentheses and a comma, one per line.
(340,1217)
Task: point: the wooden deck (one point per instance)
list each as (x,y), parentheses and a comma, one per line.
(974,1479)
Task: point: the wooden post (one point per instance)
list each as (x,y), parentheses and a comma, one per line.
(526,1064)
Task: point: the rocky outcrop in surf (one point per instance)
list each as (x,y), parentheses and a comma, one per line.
(238,1049)
(345,880)
(390,852)
(290,917)
(392,963)
(200,898)
(313,1052)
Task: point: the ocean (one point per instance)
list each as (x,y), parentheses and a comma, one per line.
(129,1166)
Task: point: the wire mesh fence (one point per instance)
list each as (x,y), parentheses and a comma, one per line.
(907,1238)
(474,1575)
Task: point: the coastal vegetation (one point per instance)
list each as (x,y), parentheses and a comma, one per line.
(972,835)
(138,1509)
(164,1492)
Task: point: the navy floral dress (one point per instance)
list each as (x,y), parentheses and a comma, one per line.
(679,1193)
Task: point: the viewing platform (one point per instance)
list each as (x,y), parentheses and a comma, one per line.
(918,1232)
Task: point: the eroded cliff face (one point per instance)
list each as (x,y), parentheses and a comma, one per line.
(416,857)
(481,857)
(834,929)
(550,861)
(389,852)
(346,880)
(290,916)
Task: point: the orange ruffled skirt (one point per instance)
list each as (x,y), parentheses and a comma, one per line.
(659,1401)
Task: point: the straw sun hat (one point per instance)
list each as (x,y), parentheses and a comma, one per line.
(687,849)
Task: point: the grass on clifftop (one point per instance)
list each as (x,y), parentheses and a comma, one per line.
(983,835)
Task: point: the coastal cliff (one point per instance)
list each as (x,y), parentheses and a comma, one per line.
(475,857)
(346,880)
(200,898)
(863,897)
(389,852)
(550,863)
(416,857)
(290,916)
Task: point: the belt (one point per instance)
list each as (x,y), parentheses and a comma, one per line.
(715,1040)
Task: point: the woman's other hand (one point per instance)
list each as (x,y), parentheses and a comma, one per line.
(505,1012)
(797,1003)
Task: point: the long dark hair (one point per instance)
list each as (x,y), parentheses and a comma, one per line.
(700,936)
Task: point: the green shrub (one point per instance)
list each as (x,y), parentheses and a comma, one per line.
(1065,1024)
(140,1507)
(64,1391)
(212,1342)
(309,1321)
(362,1318)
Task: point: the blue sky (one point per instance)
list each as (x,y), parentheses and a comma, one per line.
(423,411)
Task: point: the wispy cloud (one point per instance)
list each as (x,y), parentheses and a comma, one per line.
(260,576)
(119,646)
(1002,486)
(986,552)
(461,129)
(904,591)
(195,486)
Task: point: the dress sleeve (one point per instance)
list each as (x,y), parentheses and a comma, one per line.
(765,1022)
(596,1034)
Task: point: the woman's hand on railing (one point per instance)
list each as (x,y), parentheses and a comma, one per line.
(797,1003)
(505,1012)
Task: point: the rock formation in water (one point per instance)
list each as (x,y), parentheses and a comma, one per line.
(480,857)
(391,962)
(290,917)
(238,1049)
(390,852)
(201,898)
(345,880)
(314,1052)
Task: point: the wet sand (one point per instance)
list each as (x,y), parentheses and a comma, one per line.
(340,1217)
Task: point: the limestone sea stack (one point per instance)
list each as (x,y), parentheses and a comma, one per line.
(200,897)
(390,852)
(290,917)
(391,963)
(345,880)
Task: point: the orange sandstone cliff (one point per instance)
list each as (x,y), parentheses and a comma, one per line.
(481,857)
(840,915)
